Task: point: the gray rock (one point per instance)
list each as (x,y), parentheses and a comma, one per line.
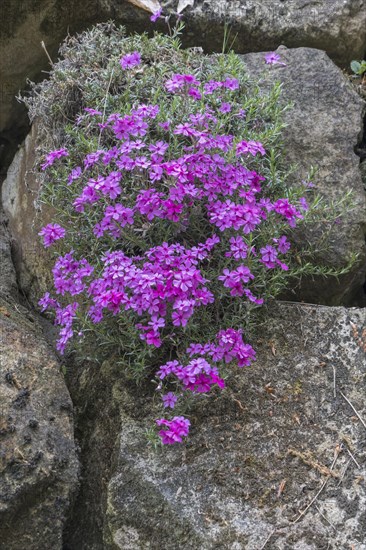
(257,456)
(26,215)
(337,27)
(38,464)
(363,173)
(323,127)
(8,283)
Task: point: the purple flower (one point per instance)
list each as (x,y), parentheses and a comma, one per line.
(169,400)
(283,207)
(272,58)
(179,81)
(231,83)
(92,112)
(130,60)
(252,147)
(165,125)
(52,156)
(225,108)
(196,94)
(282,244)
(47,302)
(269,256)
(74,175)
(155,16)
(304,203)
(167,369)
(238,248)
(173,430)
(51,233)
(211,86)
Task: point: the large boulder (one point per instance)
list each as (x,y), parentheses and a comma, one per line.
(277,457)
(323,127)
(38,463)
(338,27)
(322,130)
(26,215)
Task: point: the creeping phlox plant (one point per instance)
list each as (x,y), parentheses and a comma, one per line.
(174,216)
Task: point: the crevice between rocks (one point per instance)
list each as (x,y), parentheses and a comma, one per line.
(360,151)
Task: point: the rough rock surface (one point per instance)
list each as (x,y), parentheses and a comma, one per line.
(322,129)
(8,282)
(38,464)
(258,454)
(337,26)
(26,216)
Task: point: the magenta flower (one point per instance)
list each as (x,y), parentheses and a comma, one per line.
(130,60)
(282,244)
(74,175)
(179,81)
(51,233)
(141,188)
(252,147)
(155,16)
(269,256)
(92,112)
(169,400)
(211,86)
(238,248)
(196,94)
(173,430)
(231,83)
(272,58)
(225,108)
(52,156)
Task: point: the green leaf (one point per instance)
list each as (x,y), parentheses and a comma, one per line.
(363,67)
(355,66)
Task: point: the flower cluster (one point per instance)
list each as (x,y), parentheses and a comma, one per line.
(195,180)
(173,430)
(164,286)
(51,233)
(52,156)
(130,60)
(199,375)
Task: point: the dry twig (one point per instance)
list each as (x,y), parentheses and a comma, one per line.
(46,52)
(301,514)
(326,519)
(307,458)
(334,381)
(267,539)
(356,412)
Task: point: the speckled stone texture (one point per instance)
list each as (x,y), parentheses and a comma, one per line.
(322,129)
(258,454)
(26,215)
(337,27)
(38,464)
